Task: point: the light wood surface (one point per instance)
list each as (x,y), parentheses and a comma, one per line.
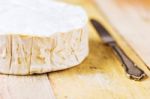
(100,76)
(25,87)
(131,18)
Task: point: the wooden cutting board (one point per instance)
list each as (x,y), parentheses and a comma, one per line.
(100,76)
(131,19)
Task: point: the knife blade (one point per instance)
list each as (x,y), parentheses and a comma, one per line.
(131,69)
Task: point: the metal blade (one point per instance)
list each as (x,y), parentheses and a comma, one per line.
(103,33)
(130,67)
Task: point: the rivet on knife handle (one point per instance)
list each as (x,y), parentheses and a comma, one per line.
(131,69)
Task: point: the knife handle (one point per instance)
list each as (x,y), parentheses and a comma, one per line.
(130,67)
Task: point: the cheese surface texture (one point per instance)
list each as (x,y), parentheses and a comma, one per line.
(39,17)
(39,36)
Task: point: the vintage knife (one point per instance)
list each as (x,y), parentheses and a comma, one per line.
(130,67)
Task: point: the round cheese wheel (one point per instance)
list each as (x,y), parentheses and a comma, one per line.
(39,36)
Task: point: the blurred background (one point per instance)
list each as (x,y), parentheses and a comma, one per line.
(130,19)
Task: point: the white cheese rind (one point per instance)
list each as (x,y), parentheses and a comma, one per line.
(21,54)
(29,55)
(39,17)
(5,53)
(39,36)
(61,51)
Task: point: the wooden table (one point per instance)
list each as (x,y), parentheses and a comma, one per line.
(100,76)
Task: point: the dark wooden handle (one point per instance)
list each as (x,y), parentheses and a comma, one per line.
(130,67)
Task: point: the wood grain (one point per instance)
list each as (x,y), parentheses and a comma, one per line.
(132,20)
(101,75)
(25,87)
